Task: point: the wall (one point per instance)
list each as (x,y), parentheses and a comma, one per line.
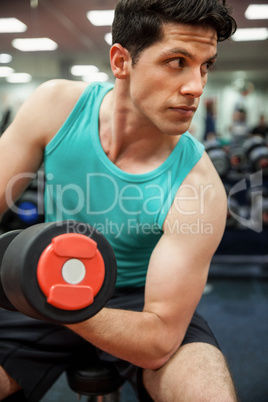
(226,98)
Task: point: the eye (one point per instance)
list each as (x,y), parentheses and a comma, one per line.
(206,67)
(177,63)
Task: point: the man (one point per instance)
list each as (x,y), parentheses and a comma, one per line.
(120,159)
(261,129)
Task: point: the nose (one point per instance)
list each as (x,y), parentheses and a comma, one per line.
(194,83)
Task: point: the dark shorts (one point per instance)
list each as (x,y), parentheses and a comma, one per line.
(35,353)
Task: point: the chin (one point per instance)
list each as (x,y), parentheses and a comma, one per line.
(174,133)
(179,130)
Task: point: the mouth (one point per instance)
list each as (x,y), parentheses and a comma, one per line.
(184,109)
(187,111)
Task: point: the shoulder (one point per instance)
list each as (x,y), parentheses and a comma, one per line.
(55,90)
(54,100)
(61,87)
(62,94)
(48,107)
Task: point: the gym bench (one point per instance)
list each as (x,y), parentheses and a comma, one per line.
(96,379)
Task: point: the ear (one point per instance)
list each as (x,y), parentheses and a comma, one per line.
(120,61)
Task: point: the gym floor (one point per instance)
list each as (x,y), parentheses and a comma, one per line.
(236,307)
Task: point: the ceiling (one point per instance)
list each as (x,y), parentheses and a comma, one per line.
(65,22)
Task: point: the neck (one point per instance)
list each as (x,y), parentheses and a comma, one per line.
(129,140)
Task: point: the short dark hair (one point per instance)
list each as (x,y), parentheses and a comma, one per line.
(138,23)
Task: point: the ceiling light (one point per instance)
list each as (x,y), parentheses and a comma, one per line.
(6,71)
(34,44)
(257,12)
(100,76)
(5,58)
(108,38)
(34,3)
(81,70)
(19,78)
(8,25)
(249,34)
(101,17)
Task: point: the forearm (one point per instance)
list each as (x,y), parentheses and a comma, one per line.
(138,337)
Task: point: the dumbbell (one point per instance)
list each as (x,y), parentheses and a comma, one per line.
(237,157)
(218,157)
(257,152)
(260,203)
(5,241)
(28,209)
(265,213)
(25,212)
(62,272)
(232,210)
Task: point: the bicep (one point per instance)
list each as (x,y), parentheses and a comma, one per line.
(179,264)
(176,278)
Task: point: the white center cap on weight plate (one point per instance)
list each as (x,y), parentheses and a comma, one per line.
(73,271)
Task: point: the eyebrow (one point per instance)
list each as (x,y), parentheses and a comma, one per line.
(179,51)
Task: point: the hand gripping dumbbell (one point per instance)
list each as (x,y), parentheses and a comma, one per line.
(62,272)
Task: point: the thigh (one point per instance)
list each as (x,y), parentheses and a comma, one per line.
(35,353)
(196,372)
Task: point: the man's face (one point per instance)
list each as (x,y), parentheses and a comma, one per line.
(169,77)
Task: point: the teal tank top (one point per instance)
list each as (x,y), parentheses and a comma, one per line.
(82,184)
